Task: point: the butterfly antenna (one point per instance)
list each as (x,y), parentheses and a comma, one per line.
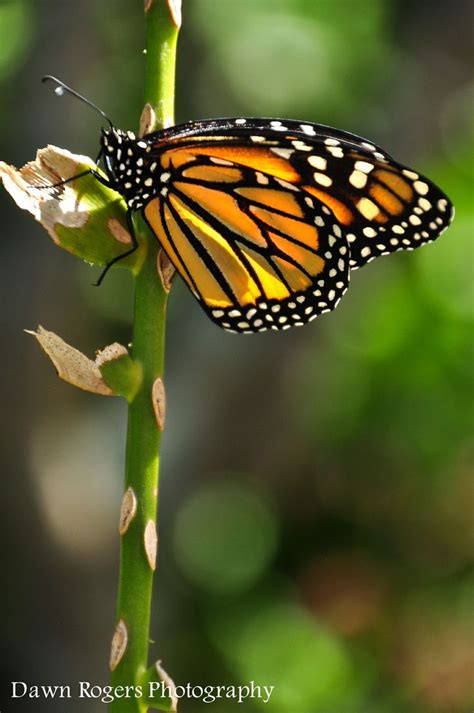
(61,88)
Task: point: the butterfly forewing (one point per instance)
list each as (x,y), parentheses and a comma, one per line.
(382,205)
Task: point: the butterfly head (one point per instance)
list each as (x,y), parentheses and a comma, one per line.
(127,164)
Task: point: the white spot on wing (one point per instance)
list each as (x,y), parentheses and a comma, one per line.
(363,166)
(318,162)
(284,153)
(368,208)
(301,146)
(421,187)
(358,179)
(221,161)
(323,179)
(278,126)
(398,229)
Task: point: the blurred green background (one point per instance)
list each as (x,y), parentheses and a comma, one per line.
(316,515)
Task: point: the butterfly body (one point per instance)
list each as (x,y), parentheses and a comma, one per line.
(265,219)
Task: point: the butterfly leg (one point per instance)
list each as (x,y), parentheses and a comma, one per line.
(71,178)
(117,258)
(88,172)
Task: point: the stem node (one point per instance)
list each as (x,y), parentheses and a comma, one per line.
(128,510)
(119,644)
(150,540)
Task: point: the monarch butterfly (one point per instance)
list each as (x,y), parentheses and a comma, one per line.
(264,219)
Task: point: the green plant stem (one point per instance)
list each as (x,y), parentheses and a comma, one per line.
(162,36)
(143,436)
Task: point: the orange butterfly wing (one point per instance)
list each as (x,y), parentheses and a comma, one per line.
(257,252)
(264,218)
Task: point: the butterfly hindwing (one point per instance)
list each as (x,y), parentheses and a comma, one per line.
(257,252)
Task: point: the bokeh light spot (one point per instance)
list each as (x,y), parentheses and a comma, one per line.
(277,642)
(76,464)
(225,538)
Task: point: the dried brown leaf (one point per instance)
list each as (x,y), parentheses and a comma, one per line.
(71,364)
(49,206)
